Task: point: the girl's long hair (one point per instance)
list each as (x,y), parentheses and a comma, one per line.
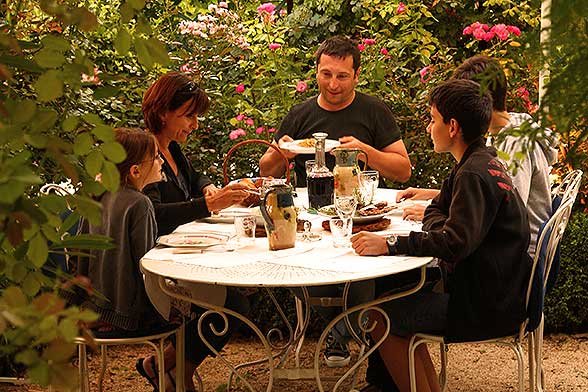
(140,146)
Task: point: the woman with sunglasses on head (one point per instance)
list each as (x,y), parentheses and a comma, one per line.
(171,107)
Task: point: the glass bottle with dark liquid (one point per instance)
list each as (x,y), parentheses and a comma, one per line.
(320,181)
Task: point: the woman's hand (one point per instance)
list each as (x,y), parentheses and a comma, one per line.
(369,244)
(210,190)
(226,197)
(414,213)
(416,194)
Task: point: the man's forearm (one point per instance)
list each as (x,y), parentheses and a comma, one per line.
(391,165)
(271,164)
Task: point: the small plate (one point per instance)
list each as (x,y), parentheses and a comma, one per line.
(296,147)
(330,212)
(228,215)
(193,240)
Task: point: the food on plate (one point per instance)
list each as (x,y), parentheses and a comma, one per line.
(307,142)
(380,224)
(377,209)
(254,184)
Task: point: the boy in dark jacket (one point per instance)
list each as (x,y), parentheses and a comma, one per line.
(477,226)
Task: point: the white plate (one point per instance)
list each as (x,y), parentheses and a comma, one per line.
(193,240)
(329,211)
(228,215)
(294,146)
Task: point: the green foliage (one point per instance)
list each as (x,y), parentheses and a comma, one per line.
(565,306)
(49,132)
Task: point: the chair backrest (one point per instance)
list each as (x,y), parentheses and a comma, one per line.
(569,186)
(549,237)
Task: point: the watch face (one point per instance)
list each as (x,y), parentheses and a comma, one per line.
(391,240)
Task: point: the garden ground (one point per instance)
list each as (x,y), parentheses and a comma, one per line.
(472,368)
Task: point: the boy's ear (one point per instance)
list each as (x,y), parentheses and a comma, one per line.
(454,128)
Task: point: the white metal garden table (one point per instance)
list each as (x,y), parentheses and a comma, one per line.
(307,264)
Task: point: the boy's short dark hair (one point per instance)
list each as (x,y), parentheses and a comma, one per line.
(464,101)
(488,72)
(339,47)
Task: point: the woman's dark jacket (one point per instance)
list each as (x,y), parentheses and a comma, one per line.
(178,199)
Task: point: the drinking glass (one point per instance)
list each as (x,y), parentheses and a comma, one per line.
(368,183)
(341,232)
(345,205)
(245,229)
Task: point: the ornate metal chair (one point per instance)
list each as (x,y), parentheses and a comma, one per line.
(549,238)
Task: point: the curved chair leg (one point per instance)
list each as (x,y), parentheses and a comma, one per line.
(532,365)
(103,358)
(443,371)
(83,368)
(517,348)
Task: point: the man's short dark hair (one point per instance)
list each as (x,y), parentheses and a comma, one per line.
(488,72)
(464,101)
(339,47)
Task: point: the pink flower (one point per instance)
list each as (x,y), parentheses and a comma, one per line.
(479,33)
(291,166)
(369,41)
(249,122)
(271,130)
(301,86)
(425,73)
(259,130)
(468,30)
(514,29)
(488,36)
(240,117)
(223,4)
(274,46)
(283,12)
(240,88)
(500,30)
(361,47)
(384,51)
(523,92)
(266,7)
(401,8)
(92,78)
(236,133)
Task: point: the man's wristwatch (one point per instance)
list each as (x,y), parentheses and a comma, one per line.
(392,242)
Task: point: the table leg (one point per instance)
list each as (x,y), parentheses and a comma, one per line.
(365,329)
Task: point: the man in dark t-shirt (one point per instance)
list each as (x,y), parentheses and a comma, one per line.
(355,119)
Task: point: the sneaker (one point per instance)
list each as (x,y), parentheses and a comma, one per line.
(336,354)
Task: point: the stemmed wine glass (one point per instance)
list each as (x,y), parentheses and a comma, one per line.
(345,205)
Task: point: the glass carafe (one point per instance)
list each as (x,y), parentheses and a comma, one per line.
(346,171)
(319,181)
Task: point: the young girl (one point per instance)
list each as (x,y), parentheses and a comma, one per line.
(129,219)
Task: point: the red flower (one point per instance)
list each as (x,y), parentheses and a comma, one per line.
(240,88)
(361,47)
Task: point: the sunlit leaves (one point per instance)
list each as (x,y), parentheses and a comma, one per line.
(49,86)
(122,42)
(94,162)
(48,58)
(38,250)
(83,144)
(151,51)
(110,176)
(113,151)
